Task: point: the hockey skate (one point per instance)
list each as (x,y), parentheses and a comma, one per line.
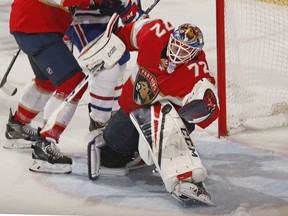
(187,191)
(94,125)
(19,135)
(48,158)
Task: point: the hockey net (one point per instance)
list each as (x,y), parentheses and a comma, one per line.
(252,55)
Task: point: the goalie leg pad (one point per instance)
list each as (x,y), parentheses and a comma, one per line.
(94,153)
(95,169)
(169,144)
(103,161)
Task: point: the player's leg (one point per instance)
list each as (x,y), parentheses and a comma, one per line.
(71,75)
(57,64)
(165,140)
(102,87)
(118,87)
(102,93)
(36,93)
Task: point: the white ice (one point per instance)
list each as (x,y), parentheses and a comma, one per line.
(248,174)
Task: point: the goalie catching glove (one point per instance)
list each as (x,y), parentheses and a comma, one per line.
(201,103)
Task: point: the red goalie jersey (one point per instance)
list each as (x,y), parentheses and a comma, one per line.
(153,80)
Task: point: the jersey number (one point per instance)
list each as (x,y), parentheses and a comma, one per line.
(195,66)
(160,32)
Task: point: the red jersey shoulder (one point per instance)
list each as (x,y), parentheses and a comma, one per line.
(152,41)
(156,30)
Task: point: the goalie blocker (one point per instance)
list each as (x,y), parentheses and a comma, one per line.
(107,48)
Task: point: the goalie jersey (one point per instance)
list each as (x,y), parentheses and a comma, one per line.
(151,81)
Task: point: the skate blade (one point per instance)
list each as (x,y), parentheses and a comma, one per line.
(17,144)
(46,167)
(186,193)
(202,199)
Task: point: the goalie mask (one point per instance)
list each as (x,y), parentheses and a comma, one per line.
(184,43)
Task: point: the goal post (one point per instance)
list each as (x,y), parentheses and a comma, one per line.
(252,64)
(221,73)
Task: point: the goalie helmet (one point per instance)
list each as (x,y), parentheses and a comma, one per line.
(184,43)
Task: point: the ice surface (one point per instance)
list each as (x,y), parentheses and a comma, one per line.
(242,180)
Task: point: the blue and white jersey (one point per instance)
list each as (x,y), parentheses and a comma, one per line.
(90,23)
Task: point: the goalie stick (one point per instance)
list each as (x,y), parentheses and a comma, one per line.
(5,86)
(53,118)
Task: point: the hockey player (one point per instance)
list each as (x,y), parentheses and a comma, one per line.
(105,88)
(38,28)
(171,75)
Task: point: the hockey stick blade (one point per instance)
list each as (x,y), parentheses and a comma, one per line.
(8,89)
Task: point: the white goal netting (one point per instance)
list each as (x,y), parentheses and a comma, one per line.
(256,34)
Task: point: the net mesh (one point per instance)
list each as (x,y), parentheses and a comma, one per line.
(256,34)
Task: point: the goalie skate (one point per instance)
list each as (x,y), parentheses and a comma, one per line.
(187,191)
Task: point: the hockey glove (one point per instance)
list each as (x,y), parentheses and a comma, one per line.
(108,7)
(196,111)
(131,13)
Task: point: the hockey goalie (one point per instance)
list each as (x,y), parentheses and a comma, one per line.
(170,90)
(161,137)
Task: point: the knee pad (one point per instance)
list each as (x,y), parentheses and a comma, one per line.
(69,85)
(45,85)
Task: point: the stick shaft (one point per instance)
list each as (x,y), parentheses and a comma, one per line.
(4,79)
